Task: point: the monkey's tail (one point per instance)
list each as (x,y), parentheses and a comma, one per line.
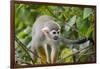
(78,41)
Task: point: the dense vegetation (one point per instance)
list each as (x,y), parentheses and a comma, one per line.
(76,23)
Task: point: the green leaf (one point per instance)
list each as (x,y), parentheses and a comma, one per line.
(89,31)
(21,26)
(82,26)
(22,35)
(26,40)
(28,30)
(65,52)
(87,12)
(70,23)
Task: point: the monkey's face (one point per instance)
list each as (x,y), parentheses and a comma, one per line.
(51,34)
(55,34)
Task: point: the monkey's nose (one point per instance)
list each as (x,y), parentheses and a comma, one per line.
(55,37)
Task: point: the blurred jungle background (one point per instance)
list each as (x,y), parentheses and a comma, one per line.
(76,23)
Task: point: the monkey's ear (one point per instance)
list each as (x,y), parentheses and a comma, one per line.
(45,29)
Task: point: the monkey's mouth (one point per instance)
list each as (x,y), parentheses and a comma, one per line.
(55,38)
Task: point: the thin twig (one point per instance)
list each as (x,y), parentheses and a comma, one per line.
(24,48)
(28,49)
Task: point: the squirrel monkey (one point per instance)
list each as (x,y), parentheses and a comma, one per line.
(46,39)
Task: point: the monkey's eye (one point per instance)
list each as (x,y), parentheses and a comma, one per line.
(54,32)
(58,32)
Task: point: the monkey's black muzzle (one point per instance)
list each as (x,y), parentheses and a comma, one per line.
(55,37)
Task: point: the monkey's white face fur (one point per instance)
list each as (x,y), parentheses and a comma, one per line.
(53,34)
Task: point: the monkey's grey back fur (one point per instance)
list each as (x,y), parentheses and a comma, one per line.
(44,21)
(44,18)
(47,21)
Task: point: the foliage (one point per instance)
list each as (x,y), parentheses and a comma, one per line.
(65,53)
(75,22)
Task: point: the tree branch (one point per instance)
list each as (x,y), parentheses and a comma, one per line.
(74,53)
(25,48)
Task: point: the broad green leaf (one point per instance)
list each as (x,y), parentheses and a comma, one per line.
(89,31)
(21,26)
(87,12)
(82,25)
(65,52)
(70,23)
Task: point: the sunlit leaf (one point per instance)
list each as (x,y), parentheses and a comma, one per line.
(87,12)
(22,35)
(65,52)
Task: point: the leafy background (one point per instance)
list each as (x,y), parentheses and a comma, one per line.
(76,23)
